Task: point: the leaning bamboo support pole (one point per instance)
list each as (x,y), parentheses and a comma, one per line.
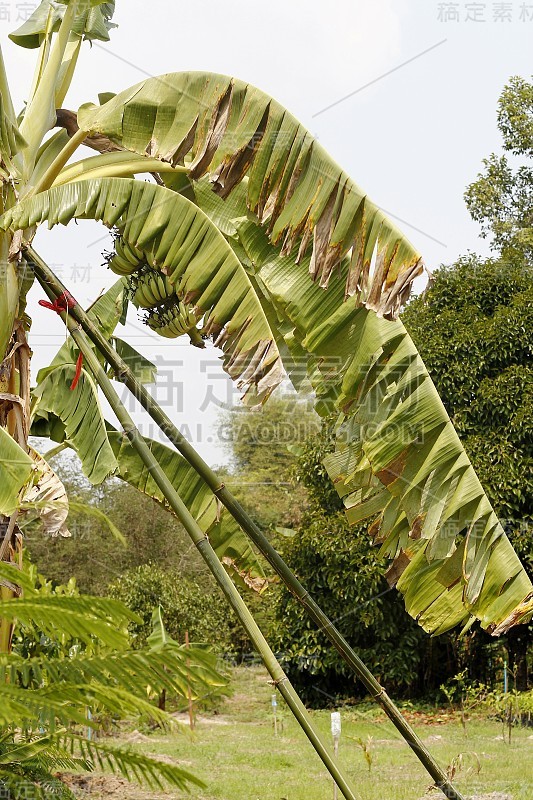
(205,549)
(54,288)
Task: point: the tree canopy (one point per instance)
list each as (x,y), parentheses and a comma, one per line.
(501,198)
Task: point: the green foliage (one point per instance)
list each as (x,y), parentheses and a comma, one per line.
(469,697)
(255,439)
(501,197)
(29,640)
(92,24)
(311,472)
(366,749)
(94,557)
(45,691)
(262,445)
(186,606)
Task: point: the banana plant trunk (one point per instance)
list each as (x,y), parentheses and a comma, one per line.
(14,407)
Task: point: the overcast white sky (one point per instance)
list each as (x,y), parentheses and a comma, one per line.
(419,115)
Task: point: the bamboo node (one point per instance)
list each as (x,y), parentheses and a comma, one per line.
(275,682)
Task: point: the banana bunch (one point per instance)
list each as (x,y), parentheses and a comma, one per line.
(126,259)
(150,288)
(167,315)
(175,320)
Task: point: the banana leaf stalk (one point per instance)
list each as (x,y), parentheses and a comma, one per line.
(54,289)
(199,538)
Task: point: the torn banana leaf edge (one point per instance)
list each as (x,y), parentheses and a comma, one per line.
(226,129)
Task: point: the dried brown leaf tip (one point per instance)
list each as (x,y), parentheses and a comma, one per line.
(256,583)
(303,197)
(521,614)
(397,568)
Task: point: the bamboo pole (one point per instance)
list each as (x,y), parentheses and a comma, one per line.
(199,538)
(189,692)
(54,288)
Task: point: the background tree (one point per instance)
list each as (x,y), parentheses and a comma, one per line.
(185,606)
(261,447)
(478,347)
(345,574)
(501,198)
(191,611)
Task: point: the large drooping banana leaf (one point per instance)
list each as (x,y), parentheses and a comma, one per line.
(57,414)
(398,458)
(225,535)
(143,369)
(228,129)
(178,239)
(238,138)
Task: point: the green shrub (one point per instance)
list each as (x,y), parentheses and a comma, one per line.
(186,606)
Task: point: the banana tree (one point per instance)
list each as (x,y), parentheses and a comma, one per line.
(252,237)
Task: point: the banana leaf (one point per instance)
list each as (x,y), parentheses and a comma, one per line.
(398,461)
(177,238)
(229,130)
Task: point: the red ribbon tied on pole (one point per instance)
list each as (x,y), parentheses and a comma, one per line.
(64,302)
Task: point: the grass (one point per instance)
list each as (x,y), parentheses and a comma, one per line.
(237,755)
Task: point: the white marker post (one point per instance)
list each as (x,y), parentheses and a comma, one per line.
(336,733)
(274,711)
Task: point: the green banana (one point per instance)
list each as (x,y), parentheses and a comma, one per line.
(175,320)
(130,252)
(139,296)
(150,288)
(125,260)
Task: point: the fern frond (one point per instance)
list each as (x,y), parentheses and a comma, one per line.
(125,761)
(67,702)
(172,668)
(83,618)
(35,784)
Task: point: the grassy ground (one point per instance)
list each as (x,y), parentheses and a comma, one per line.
(236,754)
